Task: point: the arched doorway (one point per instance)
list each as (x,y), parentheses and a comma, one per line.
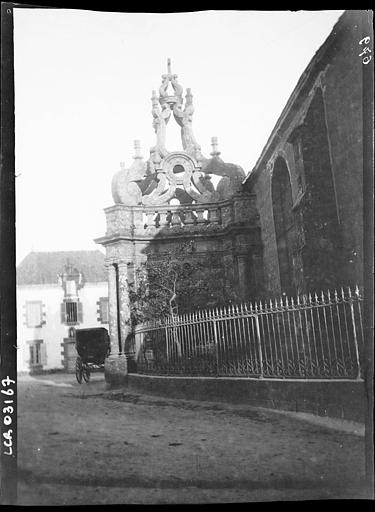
(284,223)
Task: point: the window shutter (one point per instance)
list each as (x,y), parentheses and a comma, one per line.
(80,312)
(26,355)
(105,311)
(63,313)
(44,314)
(33,310)
(24,314)
(43,354)
(102,310)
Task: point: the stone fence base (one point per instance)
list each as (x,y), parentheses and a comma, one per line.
(338,399)
(115,370)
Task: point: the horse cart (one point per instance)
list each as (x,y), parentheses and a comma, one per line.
(93,347)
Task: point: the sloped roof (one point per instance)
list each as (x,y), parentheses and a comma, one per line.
(43,267)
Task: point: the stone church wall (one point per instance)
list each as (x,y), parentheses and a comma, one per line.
(319,138)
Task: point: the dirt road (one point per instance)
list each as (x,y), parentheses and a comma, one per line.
(86,445)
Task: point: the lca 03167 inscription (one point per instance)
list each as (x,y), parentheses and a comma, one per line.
(367,58)
(8,410)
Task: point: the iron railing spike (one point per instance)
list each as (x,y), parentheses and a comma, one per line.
(324,364)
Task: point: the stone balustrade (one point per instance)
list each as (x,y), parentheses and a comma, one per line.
(145,220)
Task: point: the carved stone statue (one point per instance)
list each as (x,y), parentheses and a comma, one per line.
(184,175)
(185,119)
(161,118)
(125,189)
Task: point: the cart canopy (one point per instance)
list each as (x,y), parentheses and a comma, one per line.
(92,344)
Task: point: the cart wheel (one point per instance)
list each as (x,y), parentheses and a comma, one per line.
(86,372)
(79,370)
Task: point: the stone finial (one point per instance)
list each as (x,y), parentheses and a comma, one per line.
(137,150)
(215,147)
(164,96)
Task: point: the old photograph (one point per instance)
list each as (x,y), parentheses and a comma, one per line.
(193,307)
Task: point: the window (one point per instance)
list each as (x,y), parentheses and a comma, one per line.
(36,353)
(284,224)
(33,313)
(71,312)
(35,358)
(103,310)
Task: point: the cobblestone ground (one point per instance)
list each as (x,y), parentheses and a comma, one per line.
(83,444)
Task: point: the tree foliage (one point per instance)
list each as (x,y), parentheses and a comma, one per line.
(178,281)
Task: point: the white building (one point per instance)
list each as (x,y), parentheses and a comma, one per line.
(58,292)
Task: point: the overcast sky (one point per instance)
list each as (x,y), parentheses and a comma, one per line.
(83,83)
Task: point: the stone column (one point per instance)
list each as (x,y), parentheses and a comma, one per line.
(115,367)
(112,303)
(125,323)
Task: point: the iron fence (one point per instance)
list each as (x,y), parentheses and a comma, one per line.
(313,336)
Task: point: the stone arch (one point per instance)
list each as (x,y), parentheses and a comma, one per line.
(284,223)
